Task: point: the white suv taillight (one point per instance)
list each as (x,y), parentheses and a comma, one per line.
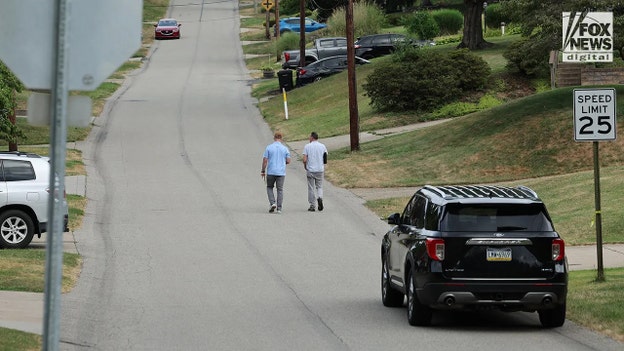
(435,249)
(558,249)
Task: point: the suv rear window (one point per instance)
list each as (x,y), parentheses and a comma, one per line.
(14,170)
(501,217)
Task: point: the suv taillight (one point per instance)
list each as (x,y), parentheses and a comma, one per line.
(286,57)
(301,71)
(558,249)
(435,249)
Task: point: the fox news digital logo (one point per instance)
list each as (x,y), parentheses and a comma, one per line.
(587,37)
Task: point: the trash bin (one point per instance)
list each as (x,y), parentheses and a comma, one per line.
(285,77)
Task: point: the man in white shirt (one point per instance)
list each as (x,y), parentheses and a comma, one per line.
(314,160)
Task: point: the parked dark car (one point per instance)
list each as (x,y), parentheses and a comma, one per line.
(472,248)
(167,28)
(324,68)
(371,46)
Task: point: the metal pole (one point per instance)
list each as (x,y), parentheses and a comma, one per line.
(600,276)
(58,136)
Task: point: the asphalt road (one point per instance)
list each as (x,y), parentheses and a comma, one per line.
(180,252)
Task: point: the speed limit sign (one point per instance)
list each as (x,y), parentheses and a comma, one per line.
(594,114)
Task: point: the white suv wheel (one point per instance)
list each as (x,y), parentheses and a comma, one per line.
(16,229)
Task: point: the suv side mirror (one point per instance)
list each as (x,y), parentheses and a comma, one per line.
(394,218)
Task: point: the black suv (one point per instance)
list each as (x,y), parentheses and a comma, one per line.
(375,45)
(471,248)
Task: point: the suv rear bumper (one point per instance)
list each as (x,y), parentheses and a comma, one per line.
(43,226)
(506,296)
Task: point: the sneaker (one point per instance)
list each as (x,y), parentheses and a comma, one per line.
(311,209)
(272,209)
(279,212)
(320,204)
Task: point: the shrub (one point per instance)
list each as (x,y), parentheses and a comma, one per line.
(494,16)
(287,41)
(422,24)
(472,70)
(449,21)
(529,56)
(421,79)
(367,19)
(289,6)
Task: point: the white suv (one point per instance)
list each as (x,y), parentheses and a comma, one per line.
(24,191)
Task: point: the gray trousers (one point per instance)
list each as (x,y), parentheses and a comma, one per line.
(277,182)
(315,186)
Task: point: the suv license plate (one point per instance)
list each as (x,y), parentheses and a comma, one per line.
(498,255)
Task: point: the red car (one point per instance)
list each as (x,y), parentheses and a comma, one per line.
(167,28)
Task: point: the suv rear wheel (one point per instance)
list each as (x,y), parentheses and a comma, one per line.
(417,313)
(389,296)
(553,318)
(16,229)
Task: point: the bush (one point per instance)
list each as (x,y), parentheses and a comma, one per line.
(421,79)
(367,19)
(449,21)
(289,6)
(529,56)
(494,16)
(422,24)
(287,41)
(472,70)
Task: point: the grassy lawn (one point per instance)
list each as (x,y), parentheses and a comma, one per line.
(24,270)
(597,305)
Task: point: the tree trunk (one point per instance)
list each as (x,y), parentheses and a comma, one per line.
(426,3)
(473,32)
(13,120)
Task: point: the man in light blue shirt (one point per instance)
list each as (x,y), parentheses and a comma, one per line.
(274,160)
(314,160)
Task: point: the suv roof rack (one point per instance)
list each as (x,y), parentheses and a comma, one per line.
(481,191)
(19,153)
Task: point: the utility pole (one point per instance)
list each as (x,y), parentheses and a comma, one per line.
(301,33)
(354,119)
(277,26)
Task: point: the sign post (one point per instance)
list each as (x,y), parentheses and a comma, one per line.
(594,120)
(268,5)
(44,37)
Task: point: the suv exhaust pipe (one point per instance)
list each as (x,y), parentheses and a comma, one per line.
(547,301)
(449,300)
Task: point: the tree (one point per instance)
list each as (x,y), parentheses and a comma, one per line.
(9,85)
(540,25)
(473,32)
